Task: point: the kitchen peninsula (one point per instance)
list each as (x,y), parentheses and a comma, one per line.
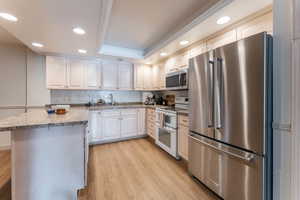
(48,154)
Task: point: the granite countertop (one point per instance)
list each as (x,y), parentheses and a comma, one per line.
(40,118)
(78,114)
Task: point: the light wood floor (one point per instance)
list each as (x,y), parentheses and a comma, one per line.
(5,171)
(138,170)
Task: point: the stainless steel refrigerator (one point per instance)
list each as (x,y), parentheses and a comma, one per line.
(230,141)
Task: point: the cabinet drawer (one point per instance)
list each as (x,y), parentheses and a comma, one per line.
(128,111)
(183,120)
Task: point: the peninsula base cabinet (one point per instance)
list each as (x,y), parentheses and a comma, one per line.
(116,124)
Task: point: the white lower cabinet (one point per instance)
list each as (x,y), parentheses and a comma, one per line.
(116,124)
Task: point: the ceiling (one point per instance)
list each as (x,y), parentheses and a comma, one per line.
(140,24)
(7,38)
(135,29)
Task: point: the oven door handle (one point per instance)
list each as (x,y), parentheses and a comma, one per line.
(249,157)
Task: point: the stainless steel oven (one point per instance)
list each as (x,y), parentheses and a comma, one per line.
(177,80)
(166,131)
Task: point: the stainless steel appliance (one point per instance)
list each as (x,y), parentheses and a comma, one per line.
(230,142)
(166,131)
(177,80)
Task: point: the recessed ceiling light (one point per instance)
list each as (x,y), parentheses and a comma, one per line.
(223,20)
(82,51)
(8,17)
(184,42)
(79,31)
(148,63)
(163,54)
(36,44)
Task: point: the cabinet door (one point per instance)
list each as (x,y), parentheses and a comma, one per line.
(109,75)
(155,76)
(93,75)
(170,65)
(198,50)
(222,40)
(139,77)
(76,74)
(129,123)
(183,133)
(111,128)
(95,126)
(162,77)
(141,121)
(56,72)
(258,25)
(148,77)
(125,76)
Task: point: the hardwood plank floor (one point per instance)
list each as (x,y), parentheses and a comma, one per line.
(5,174)
(138,170)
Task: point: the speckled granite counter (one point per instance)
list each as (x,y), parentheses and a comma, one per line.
(40,118)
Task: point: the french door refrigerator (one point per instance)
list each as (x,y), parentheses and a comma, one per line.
(230,140)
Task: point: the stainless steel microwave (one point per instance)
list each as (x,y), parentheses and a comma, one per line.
(177,80)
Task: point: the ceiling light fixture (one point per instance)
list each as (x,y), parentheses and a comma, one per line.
(36,44)
(8,17)
(82,51)
(148,63)
(223,20)
(79,31)
(184,42)
(163,54)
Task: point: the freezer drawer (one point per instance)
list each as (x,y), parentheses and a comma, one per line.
(229,172)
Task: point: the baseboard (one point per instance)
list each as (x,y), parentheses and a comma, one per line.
(4,148)
(116,140)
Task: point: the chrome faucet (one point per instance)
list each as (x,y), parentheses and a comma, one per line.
(111,99)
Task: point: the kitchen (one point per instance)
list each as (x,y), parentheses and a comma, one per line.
(113,100)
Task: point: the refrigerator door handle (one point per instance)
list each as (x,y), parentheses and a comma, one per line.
(218,94)
(248,157)
(211,96)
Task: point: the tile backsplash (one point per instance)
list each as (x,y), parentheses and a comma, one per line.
(80,96)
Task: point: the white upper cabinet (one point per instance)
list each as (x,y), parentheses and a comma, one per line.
(170,65)
(222,40)
(258,25)
(198,50)
(125,76)
(76,70)
(162,77)
(138,77)
(56,72)
(93,75)
(110,75)
(156,76)
(148,77)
